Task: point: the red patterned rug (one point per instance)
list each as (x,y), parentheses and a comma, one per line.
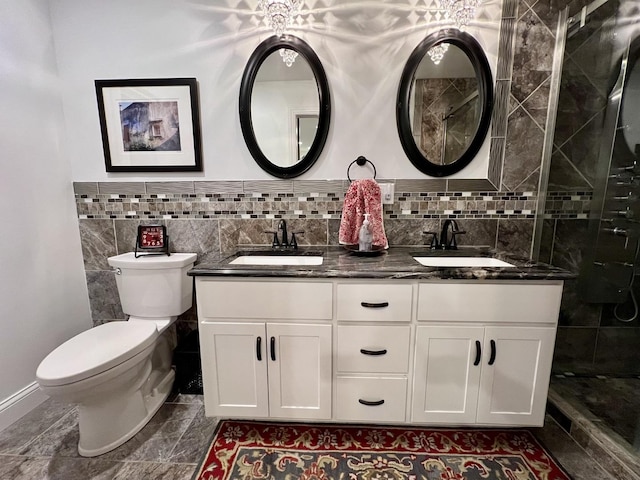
(243,450)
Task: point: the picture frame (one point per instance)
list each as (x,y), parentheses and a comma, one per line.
(150,125)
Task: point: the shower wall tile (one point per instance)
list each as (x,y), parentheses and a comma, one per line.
(574,311)
(574,349)
(546,242)
(97,239)
(103,297)
(564,175)
(617,350)
(571,244)
(583,148)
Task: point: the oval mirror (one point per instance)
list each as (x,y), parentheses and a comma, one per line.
(284,106)
(444,102)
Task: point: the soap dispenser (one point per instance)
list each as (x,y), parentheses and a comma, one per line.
(366,235)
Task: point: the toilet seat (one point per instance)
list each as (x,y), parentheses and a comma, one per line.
(94,351)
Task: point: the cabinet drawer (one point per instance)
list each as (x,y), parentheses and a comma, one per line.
(360,349)
(351,391)
(264,300)
(374,302)
(523,302)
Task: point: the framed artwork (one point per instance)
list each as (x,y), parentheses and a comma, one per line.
(150,125)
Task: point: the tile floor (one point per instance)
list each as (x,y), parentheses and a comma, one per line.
(42,445)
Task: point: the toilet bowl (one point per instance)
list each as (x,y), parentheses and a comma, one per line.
(120,373)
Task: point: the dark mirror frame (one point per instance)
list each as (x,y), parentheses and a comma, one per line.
(266,48)
(474,52)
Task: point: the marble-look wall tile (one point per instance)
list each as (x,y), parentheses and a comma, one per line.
(85,188)
(421,185)
(315,230)
(617,350)
(410,231)
(127,232)
(98,242)
(574,349)
(333,231)
(244,232)
(523,152)
(121,188)
(583,148)
(170,187)
(221,186)
(546,242)
(515,236)
(564,176)
(531,183)
(537,103)
(479,232)
(575,311)
(199,236)
(533,55)
(103,296)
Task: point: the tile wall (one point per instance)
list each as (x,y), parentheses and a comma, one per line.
(211,218)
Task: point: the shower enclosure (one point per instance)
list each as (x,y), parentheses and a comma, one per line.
(592,159)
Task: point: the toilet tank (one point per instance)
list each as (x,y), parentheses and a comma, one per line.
(154,286)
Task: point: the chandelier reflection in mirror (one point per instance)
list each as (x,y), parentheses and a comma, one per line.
(288,56)
(461,12)
(279,13)
(436,54)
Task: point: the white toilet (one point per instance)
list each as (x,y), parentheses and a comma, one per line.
(119,373)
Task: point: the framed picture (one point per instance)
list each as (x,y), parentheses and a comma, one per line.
(150,125)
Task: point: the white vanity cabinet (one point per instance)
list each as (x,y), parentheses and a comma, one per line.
(373,348)
(484,352)
(439,352)
(265,349)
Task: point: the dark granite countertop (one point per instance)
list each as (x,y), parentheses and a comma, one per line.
(394,263)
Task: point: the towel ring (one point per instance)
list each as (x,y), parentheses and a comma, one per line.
(361,161)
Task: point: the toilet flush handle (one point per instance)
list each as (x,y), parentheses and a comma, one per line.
(117,271)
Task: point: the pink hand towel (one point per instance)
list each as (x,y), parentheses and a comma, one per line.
(363,196)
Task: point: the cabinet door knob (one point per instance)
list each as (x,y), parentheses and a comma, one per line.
(259,348)
(273,349)
(374,305)
(370,403)
(492,358)
(373,352)
(478,353)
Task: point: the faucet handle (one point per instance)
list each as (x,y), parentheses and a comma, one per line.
(294,242)
(453,245)
(275,243)
(434,240)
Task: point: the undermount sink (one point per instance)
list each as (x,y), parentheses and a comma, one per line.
(278,260)
(458,261)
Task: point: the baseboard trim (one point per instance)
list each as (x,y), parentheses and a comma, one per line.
(19,404)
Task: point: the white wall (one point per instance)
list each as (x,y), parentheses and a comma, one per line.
(363,45)
(43,294)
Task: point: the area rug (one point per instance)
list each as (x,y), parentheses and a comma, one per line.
(243,450)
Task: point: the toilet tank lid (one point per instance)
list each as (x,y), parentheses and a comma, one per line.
(95,351)
(150,262)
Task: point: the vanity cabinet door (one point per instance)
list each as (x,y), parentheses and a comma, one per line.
(513,388)
(299,370)
(445,384)
(234,369)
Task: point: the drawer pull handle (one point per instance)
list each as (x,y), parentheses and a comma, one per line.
(478,353)
(273,349)
(259,348)
(493,352)
(369,403)
(373,352)
(374,305)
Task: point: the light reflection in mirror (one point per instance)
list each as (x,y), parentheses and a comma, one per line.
(281,95)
